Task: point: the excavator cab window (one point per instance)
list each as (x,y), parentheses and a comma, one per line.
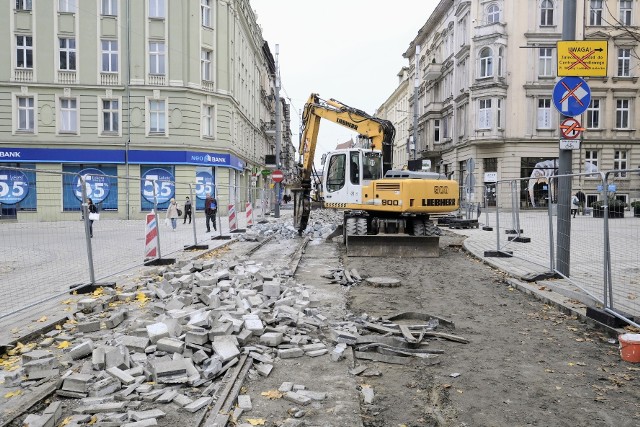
(354,168)
(372,166)
(336,172)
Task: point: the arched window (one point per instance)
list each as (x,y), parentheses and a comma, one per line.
(493,13)
(546,13)
(486,62)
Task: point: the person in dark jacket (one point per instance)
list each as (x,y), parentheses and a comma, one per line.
(91,208)
(210,210)
(187,210)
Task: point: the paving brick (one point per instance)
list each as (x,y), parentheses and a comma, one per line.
(244,402)
(104,387)
(101,408)
(145,415)
(313,395)
(77,382)
(182,400)
(134,343)
(156,331)
(121,375)
(82,350)
(92,326)
(290,353)
(145,423)
(170,345)
(198,404)
(115,319)
(197,337)
(272,339)
(296,398)
(264,369)
(225,349)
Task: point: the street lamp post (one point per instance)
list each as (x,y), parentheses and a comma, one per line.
(416,83)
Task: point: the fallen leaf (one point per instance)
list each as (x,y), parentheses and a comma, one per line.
(571,364)
(65,422)
(256,421)
(272,394)
(558,387)
(460,391)
(42,319)
(11,394)
(64,344)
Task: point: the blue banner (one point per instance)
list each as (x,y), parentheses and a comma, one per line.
(156,157)
(97,185)
(165,185)
(14,186)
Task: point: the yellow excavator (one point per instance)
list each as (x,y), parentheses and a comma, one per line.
(386,211)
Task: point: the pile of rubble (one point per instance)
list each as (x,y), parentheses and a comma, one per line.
(322,223)
(170,340)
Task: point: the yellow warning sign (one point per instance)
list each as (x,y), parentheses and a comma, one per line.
(582,58)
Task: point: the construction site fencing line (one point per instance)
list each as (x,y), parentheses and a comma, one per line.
(47,249)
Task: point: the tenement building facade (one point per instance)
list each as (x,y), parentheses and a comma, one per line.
(180,91)
(487,70)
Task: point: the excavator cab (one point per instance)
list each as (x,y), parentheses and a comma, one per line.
(346,172)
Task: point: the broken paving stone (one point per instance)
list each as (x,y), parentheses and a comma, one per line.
(313,395)
(367,394)
(296,398)
(145,415)
(244,402)
(264,369)
(383,282)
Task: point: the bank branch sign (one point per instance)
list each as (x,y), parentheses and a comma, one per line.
(582,58)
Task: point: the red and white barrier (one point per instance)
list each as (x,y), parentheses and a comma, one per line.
(151,240)
(233,219)
(249,214)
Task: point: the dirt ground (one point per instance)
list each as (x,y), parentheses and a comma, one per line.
(527,364)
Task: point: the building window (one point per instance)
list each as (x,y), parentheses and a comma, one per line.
(109,56)
(157,117)
(499,115)
(593,114)
(24,51)
(68,115)
(500,61)
(109,7)
(156,8)
(23,5)
(436,130)
(625,12)
(68,54)
(205,64)
(486,62)
(493,13)
(205,10)
(156,58)
(620,162)
(622,113)
(67,6)
(545,62)
(591,158)
(595,15)
(110,116)
(484,114)
(26,114)
(544,113)
(546,13)
(624,62)
(207,121)
(445,127)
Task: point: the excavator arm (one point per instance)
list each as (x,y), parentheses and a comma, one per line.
(380,132)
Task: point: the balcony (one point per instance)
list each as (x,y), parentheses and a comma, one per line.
(207,86)
(66,77)
(23,75)
(432,71)
(109,79)
(157,80)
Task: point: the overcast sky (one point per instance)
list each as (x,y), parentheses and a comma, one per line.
(349,50)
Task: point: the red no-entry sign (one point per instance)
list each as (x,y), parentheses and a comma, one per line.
(277,176)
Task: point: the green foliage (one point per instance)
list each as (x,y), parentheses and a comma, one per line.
(635,204)
(613,204)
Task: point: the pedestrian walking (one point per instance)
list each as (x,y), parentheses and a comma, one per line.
(582,199)
(92,209)
(187,210)
(210,210)
(172,213)
(575,205)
